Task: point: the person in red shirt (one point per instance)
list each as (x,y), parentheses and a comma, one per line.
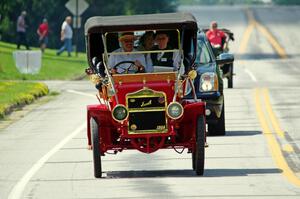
(43,31)
(215,36)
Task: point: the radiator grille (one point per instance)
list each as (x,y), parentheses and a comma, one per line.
(152,120)
(147,112)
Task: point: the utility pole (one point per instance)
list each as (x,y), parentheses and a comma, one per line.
(76,7)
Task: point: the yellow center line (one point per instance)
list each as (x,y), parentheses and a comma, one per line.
(279,49)
(272,142)
(264,31)
(272,116)
(288,148)
(250,16)
(246,38)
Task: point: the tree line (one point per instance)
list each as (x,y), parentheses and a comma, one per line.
(55,12)
(231,2)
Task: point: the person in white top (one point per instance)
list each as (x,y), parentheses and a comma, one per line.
(127,63)
(66,36)
(21,30)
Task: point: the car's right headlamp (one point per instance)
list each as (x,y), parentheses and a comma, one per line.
(208,82)
(119,113)
(174,110)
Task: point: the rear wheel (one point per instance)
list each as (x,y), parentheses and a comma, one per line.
(199,154)
(193,160)
(218,128)
(96,148)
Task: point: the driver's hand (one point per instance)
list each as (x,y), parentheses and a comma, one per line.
(113,71)
(138,63)
(140,67)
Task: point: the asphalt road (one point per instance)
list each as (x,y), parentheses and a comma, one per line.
(43,155)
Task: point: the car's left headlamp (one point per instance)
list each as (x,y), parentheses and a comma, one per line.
(175,110)
(208,82)
(119,113)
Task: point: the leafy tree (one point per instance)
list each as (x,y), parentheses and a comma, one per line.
(287,2)
(55,11)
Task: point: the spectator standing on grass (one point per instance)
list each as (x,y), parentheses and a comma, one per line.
(66,36)
(21,31)
(43,32)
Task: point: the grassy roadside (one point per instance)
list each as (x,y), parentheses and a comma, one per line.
(53,67)
(14,94)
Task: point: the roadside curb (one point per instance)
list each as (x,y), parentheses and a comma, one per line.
(39,90)
(80,77)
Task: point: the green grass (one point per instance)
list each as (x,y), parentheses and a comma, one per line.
(14,94)
(53,67)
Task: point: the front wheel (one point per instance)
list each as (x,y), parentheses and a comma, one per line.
(218,128)
(199,154)
(96,148)
(230,78)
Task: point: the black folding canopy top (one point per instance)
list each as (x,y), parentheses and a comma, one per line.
(97,26)
(101,24)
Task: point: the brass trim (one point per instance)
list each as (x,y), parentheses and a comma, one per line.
(150,109)
(179,115)
(148,131)
(145,92)
(147,77)
(112,113)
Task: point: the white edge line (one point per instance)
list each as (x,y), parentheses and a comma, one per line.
(251,75)
(18,189)
(85,94)
(81,93)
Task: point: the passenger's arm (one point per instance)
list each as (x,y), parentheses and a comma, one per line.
(149,64)
(176,60)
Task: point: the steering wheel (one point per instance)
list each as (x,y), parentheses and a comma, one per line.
(131,68)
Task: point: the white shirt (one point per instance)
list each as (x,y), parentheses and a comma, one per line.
(176,61)
(21,26)
(67,30)
(115,59)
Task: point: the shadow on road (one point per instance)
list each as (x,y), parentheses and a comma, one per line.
(239,172)
(257,56)
(242,133)
(262,56)
(189,173)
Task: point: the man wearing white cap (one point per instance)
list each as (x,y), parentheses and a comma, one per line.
(126,40)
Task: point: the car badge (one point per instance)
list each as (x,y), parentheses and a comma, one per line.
(146,103)
(161,100)
(161,127)
(133,127)
(163,59)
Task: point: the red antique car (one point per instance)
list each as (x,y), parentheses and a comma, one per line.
(144,111)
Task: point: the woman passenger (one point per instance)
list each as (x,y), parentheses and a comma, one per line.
(146,43)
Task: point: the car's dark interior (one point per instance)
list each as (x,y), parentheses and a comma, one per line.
(96,47)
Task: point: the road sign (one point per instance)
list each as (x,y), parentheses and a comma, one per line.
(82,6)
